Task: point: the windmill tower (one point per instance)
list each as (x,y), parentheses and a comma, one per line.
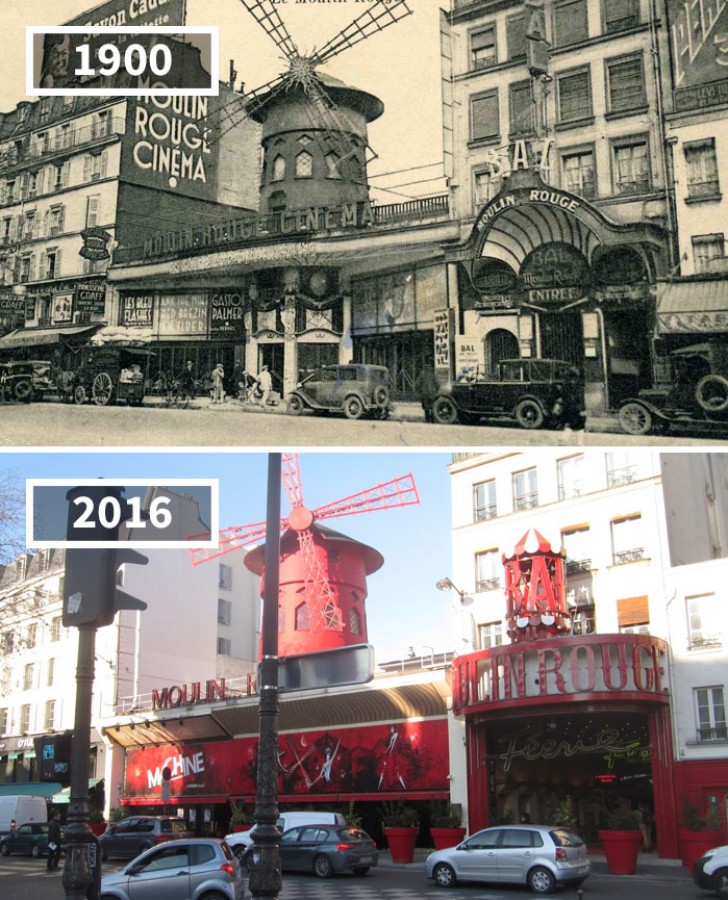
(314,126)
(323,573)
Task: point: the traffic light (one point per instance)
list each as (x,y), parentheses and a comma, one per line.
(91,595)
(53,752)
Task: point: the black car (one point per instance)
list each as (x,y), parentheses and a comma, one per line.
(30,839)
(534,392)
(354,389)
(324,850)
(130,837)
(16,382)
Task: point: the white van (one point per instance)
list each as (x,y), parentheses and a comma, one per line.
(17,809)
(240,841)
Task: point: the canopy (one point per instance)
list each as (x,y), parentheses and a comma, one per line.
(692,307)
(30,789)
(64,796)
(34,337)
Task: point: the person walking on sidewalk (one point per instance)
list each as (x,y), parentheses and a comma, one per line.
(265,382)
(54,841)
(218,377)
(427,387)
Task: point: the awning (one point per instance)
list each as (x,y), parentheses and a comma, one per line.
(34,337)
(692,307)
(64,796)
(30,789)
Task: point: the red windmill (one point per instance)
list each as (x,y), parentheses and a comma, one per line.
(322,573)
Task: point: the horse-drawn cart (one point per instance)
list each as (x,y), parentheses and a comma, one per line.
(111,374)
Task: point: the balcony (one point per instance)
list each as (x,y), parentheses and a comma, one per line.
(575,566)
(621,476)
(525,501)
(716,733)
(62,142)
(705,642)
(487,584)
(627,556)
(485,512)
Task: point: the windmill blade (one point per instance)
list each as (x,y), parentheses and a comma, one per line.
(230,539)
(333,129)
(323,610)
(291,477)
(379,16)
(252,99)
(266,15)
(389,495)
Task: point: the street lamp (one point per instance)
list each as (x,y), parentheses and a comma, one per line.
(445,584)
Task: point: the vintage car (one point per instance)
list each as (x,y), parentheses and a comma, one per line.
(354,389)
(534,392)
(16,382)
(696,395)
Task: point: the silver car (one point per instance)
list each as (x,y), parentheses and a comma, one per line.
(186,869)
(540,856)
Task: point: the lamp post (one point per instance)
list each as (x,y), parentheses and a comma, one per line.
(265,878)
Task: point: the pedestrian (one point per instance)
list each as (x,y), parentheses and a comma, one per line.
(646,827)
(187,381)
(218,376)
(54,841)
(265,383)
(427,387)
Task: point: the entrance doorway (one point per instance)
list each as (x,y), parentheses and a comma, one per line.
(405,355)
(271,355)
(562,336)
(628,354)
(311,356)
(499,344)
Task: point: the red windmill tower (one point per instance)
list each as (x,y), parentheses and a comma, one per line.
(322,572)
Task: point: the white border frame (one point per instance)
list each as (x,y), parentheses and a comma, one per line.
(212,30)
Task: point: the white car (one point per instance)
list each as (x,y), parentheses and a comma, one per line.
(710,872)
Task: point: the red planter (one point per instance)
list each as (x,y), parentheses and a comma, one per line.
(446,837)
(621,849)
(693,844)
(401,843)
(97,827)
(240,827)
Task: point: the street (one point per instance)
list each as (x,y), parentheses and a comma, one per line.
(232,425)
(27,879)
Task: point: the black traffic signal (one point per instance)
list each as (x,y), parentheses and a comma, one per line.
(53,752)
(91,595)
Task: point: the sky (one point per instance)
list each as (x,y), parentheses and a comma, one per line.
(404,607)
(400,65)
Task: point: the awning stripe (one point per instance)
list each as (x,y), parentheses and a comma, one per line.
(34,337)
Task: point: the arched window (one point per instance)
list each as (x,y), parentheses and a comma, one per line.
(354,621)
(277,202)
(279,169)
(303,622)
(332,165)
(304,165)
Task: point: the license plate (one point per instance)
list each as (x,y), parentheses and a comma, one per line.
(366,859)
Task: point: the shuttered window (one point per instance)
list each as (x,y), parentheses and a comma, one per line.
(620,14)
(516,37)
(626,84)
(484,116)
(574,96)
(633,611)
(570,22)
(482,47)
(520,105)
(702,166)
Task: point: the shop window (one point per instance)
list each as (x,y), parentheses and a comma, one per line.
(576,540)
(570,22)
(484,501)
(483,47)
(484,116)
(620,14)
(50,715)
(525,489)
(633,615)
(28,673)
(627,539)
(574,95)
(704,626)
(223,646)
(520,107)
(490,634)
(304,165)
(626,84)
(516,37)
(279,168)
(631,166)
(225,577)
(488,569)
(702,169)
(706,248)
(570,475)
(710,713)
(224,612)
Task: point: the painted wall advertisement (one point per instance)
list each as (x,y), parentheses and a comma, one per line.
(227,314)
(401,757)
(137,310)
(182,315)
(699,52)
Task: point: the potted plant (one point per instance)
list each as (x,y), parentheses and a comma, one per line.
(240,820)
(446,830)
(621,838)
(400,825)
(697,833)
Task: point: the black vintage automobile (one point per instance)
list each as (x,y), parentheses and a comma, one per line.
(533,392)
(110,374)
(16,382)
(696,395)
(354,389)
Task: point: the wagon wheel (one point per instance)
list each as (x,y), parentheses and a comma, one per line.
(711,393)
(79,395)
(102,389)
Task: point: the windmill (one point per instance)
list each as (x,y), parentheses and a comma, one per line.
(326,110)
(317,562)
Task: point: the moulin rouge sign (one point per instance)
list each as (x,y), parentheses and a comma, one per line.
(188,694)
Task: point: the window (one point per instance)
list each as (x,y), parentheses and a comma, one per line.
(484,502)
(33,180)
(626,84)
(633,615)
(627,539)
(624,467)
(490,634)
(60,176)
(52,264)
(488,570)
(56,628)
(620,14)
(525,489)
(64,137)
(223,646)
(574,93)
(8,642)
(332,165)
(51,668)
(484,116)
(46,108)
(279,168)
(25,268)
(577,542)
(706,248)
(3,721)
(570,472)
(32,635)
(703,622)
(50,715)
(304,165)
(516,37)
(579,175)
(303,620)
(702,166)
(631,166)
(224,612)
(100,127)
(10,191)
(485,187)
(92,211)
(28,673)
(29,225)
(710,711)
(583,616)
(520,107)
(94,166)
(570,22)
(354,621)
(225,577)
(25,718)
(482,47)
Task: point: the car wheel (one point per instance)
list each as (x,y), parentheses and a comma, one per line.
(360,870)
(444,875)
(528,414)
(634,418)
(79,394)
(381,396)
(353,408)
(23,391)
(322,866)
(102,389)
(35,851)
(720,883)
(295,405)
(711,392)
(444,411)
(541,881)
(4,849)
